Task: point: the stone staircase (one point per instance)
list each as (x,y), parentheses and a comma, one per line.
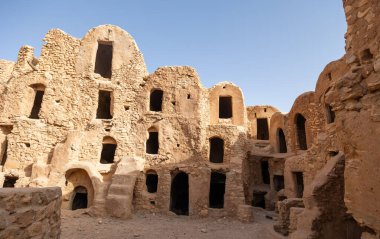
(120,193)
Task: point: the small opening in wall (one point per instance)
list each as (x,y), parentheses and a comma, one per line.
(10,181)
(152,202)
(216,150)
(333,153)
(5,153)
(156,100)
(217,190)
(330,114)
(177,145)
(27,145)
(262,129)
(188,96)
(301,131)
(366,55)
(103,62)
(265,109)
(298,180)
(329,76)
(37,103)
(225,107)
(281,141)
(173,102)
(278,182)
(265,172)
(152,143)
(104,105)
(108,150)
(126,108)
(80,199)
(258,199)
(151,181)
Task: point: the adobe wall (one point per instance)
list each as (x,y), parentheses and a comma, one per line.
(30,212)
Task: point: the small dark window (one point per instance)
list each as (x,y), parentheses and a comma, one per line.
(225,107)
(258,199)
(108,150)
(330,114)
(103,62)
(262,129)
(152,143)
(217,190)
(301,131)
(216,150)
(37,102)
(5,152)
(79,198)
(281,141)
(265,172)
(298,178)
(278,182)
(151,181)
(156,100)
(10,181)
(104,105)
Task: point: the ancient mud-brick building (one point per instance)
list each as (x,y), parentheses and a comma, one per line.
(88,117)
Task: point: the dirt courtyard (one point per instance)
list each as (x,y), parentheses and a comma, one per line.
(78,224)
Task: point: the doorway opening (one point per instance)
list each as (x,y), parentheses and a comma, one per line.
(179,194)
(217,190)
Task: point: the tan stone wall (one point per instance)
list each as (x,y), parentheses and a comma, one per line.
(30,213)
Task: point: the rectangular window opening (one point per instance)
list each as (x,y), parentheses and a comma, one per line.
(103,62)
(262,129)
(37,104)
(265,172)
(104,105)
(298,178)
(225,107)
(10,181)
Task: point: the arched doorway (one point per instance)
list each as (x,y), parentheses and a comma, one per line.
(179,194)
(80,198)
(281,141)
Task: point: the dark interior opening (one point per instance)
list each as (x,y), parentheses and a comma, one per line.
(37,104)
(330,114)
(80,198)
(104,105)
(265,172)
(179,194)
(5,153)
(301,131)
(216,150)
(366,55)
(152,144)
(10,181)
(156,100)
(281,141)
(225,107)
(353,229)
(298,178)
(278,182)
(108,153)
(258,199)
(151,181)
(103,62)
(262,129)
(217,190)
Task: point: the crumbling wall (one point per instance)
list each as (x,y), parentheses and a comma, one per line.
(30,213)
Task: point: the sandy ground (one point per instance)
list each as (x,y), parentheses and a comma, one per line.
(77,224)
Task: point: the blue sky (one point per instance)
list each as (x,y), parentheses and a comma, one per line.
(273,49)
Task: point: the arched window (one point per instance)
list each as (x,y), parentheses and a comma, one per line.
(39,91)
(108,150)
(301,131)
(152,144)
(151,181)
(155,103)
(216,150)
(80,199)
(281,142)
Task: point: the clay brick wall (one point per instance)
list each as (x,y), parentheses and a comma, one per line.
(30,212)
